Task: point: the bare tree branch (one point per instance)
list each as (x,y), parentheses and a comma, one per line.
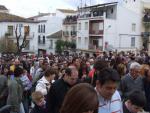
(24,42)
(17,37)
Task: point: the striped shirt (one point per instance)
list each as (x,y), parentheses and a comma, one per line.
(110,106)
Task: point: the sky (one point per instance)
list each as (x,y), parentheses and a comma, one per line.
(28,8)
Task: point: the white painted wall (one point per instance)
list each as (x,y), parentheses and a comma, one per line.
(82,33)
(33,33)
(53,24)
(125,18)
(110,32)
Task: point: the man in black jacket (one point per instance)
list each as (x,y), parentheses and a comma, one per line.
(59,89)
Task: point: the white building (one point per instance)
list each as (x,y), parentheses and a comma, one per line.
(146,25)
(50,24)
(111,26)
(70,28)
(8,24)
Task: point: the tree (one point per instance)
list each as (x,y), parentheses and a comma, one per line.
(18,36)
(7,46)
(64,45)
(59,46)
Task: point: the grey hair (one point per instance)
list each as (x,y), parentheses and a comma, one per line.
(135,65)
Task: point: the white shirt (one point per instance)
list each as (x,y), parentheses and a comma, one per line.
(43,86)
(110,106)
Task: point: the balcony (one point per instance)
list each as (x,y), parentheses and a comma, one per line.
(94,47)
(12,36)
(146,18)
(145,34)
(96,32)
(93,14)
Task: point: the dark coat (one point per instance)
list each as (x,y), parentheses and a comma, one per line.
(15,91)
(3,90)
(147,94)
(38,109)
(56,95)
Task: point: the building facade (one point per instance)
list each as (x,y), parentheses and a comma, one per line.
(70,28)
(8,25)
(49,24)
(114,26)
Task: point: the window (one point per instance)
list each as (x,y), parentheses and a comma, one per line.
(86,40)
(132,41)
(79,27)
(39,39)
(95,43)
(66,28)
(79,40)
(73,28)
(101,26)
(26,30)
(133,27)
(43,39)
(39,28)
(86,25)
(112,10)
(10,30)
(51,44)
(43,28)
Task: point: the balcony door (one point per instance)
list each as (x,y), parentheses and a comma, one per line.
(95,43)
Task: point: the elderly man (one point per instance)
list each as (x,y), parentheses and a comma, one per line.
(131,81)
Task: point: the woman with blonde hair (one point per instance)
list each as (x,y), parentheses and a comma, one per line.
(121,69)
(144,68)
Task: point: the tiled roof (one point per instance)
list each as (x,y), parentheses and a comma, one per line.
(57,34)
(2,7)
(67,10)
(6,17)
(39,15)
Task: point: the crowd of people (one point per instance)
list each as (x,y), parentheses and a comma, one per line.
(104,82)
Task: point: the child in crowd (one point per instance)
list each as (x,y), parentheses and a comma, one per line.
(39,101)
(135,102)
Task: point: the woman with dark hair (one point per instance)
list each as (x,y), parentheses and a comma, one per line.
(81,98)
